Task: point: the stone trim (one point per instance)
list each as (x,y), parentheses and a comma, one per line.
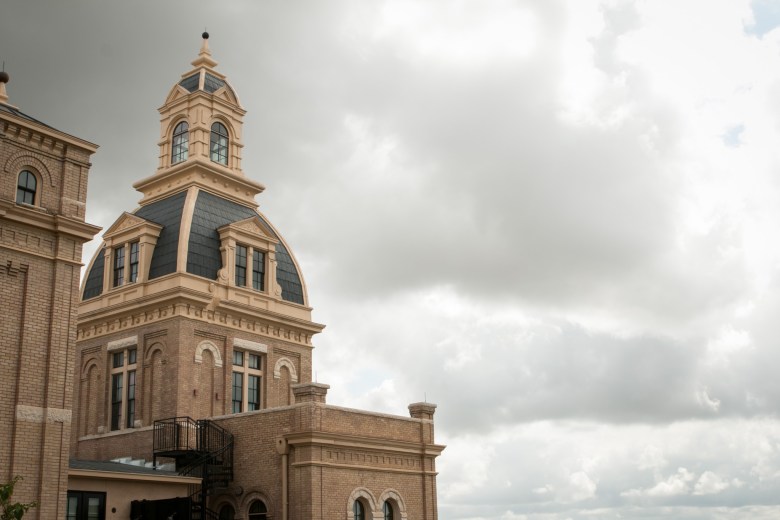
(395,498)
(119,344)
(254,346)
(368,500)
(285,362)
(207,345)
(37,414)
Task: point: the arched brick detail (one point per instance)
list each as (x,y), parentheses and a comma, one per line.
(154,347)
(285,362)
(250,497)
(211,347)
(368,499)
(399,507)
(18,161)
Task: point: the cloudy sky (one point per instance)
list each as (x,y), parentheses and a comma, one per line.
(558,220)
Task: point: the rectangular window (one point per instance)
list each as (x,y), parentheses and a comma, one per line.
(238,391)
(133,274)
(116,401)
(258,270)
(247,381)
(130,399)
(123,386)
(241,266)
(119,266)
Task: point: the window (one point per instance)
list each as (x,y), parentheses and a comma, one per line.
(241,266)
(247,381)
(123,384)
(243,253)
(227,512)
(86,505)
(258,270)
(180,143)
(119,266)
(126,254)
(388,510)
(26,188)
(257,511)
(359,512)
(219,143)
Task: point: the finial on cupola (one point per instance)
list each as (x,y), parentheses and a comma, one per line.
(204,57)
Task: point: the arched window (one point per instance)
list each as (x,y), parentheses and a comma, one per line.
(227,512)
(219,143)
(388,510)
(26,188)
(181,143)
(257,511)
(359,512)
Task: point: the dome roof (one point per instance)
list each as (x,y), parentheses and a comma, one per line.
(209,213)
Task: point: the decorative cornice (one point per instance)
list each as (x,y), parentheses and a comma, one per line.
(135,317)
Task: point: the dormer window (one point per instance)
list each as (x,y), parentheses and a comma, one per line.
(126,255)
(180,143)
(219,143)
(26,188)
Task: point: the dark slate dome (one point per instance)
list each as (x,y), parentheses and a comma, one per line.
(203,256)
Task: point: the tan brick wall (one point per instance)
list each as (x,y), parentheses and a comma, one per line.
(39,278)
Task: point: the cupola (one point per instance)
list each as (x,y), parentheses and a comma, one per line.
(201,124)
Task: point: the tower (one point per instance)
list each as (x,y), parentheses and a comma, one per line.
(43,190)
(195,325)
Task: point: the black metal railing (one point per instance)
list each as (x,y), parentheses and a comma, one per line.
(201,449)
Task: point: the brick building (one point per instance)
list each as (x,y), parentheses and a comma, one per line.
(194,349)
(43,188)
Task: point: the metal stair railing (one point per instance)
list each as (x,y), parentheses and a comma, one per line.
(202,449)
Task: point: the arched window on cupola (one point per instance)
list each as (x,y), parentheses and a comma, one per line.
(219,143)
(180,144)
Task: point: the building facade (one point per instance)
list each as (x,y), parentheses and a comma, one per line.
(194,345)
(43,189)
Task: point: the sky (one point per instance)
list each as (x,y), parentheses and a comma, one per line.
(557,220)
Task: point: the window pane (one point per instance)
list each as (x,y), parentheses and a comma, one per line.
(131,356)
(73,507)
(358,511)
(388,511)
(219,143)
(254,361)
(119,359)
(240,265)
(93,508)
(130,399)
(133,275)
(253,393)
(238,390)
(119,266)
(258,270)
(116,400)
(180,143)
(238,358)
